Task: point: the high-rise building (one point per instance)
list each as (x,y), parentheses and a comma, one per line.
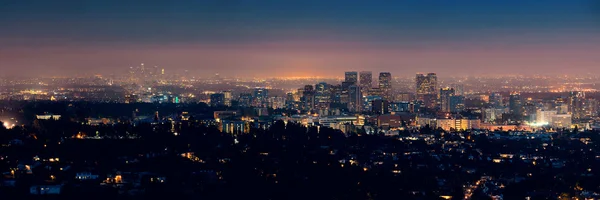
(496,100)
(217,99)
(366,81)
(561,105)
(245,100)
(351,77)
(577,104)
(277,102)
(385,85)
(426,89)
(459,89)
(355,98)
(592,108)
(308,97)
(515,104)
(227,98)
(336,94)
(457,103)
(445,97)
(261,95)
(530,111)
(322,96)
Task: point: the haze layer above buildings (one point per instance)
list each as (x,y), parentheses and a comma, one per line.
(300,38)
(352,99)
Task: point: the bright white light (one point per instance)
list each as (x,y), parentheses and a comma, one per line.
(8,126)
(538,124)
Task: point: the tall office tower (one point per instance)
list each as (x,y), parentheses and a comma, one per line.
(577,104)
(426,89)
(457,103)
(530,111)
(591,108)
(308,97)
(276,102)
(561,105)
(515,104)
(289,97)
(261,95)
(385,85)
(336,94)
(459,89)
(227,98)
(445,97)
(351,77)
(496,100)
(217,99)
(245,100)
(289,100)
(322,95)
(366,81)
(355,98)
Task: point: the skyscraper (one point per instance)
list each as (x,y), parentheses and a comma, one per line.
(591,108)
(457,103)
(261,96)
(366,81)
(385,85)
(351,77)
(322,95)
(245,100)
(308,97)
(355,98)
(426,89)
(515,104)
(459,89)
(227,98)
(445,97)
(336,94)
(577,104)
(496,100)
(217,99)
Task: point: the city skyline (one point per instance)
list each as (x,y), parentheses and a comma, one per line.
(301,38)
(300,99)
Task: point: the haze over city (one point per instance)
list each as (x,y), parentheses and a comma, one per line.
(296,100)
(301,38)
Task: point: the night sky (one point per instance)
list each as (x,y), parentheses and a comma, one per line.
(301,37)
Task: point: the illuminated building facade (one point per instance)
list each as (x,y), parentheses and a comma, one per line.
(577,104)
(308,97)
(515,104)
(355,99)
(458,124)
(385,85)
(496,100)
(227,98)
(351,77)
(445,95)
(217,99)
(260,97)
(427,89)
(322,96)
(366,81)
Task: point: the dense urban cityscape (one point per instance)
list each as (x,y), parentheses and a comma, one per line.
(300,99)
(356,137)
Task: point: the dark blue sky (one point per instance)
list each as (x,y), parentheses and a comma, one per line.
(252,29)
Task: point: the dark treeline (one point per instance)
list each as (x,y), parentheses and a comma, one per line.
(290,161)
